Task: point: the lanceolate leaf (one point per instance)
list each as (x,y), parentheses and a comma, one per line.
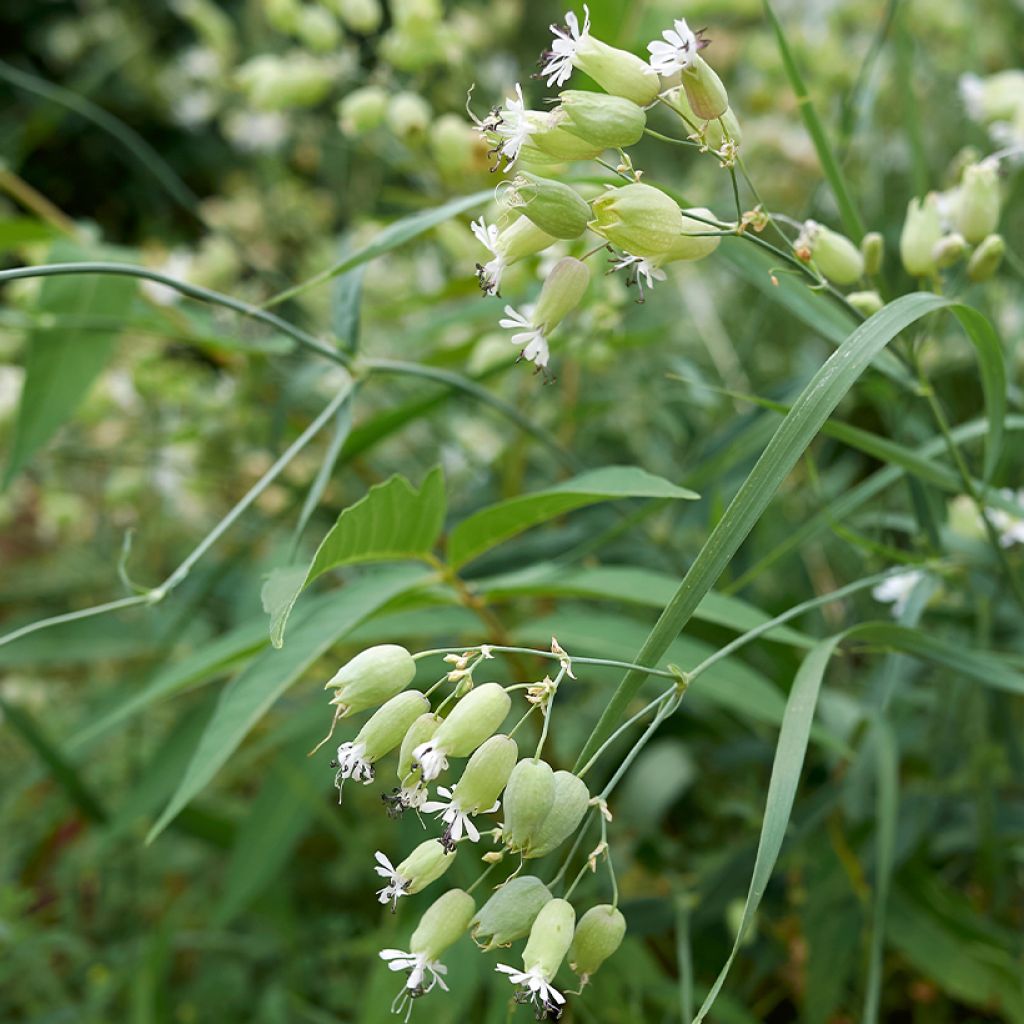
(393,521)
(490,526)
(250,695)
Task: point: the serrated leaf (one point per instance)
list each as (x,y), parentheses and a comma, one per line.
(251,694)
(490,526)
(391,522)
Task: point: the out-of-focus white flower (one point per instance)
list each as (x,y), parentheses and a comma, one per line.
(256,131)
(896,590)
(1010,527)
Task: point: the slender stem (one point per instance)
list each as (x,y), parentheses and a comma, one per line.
(580,833)
(548,704)
(541,653)
(623,728)
(608,859)
(85,613)
(668,138)
(21,191)
(483,875)
(663,712)
(529,711)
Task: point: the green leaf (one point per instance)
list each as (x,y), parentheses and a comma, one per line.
(62,362)
(490,526)
(251,694)
(806,417)
(16,231)
(392,521)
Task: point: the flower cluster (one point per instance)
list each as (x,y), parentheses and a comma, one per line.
(540,808)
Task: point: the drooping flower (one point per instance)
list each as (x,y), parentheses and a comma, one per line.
(681,45)
(489,273)
(513,125)
(352,764)
(424,865)
(639,269)
(529,338)
(535,988)
(557,63)
(458,822)
(396,886)
(896,590)
(424,975)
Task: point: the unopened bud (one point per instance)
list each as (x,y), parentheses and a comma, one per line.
(985,260)
(568,806)
(834,254)
(442,924)
(977,210)
(281,81)
(409,116)
(362,110)
(550,938)
(872,248)
(389,723)
(427,863)
(599,934)
(475,717)
(554,207)
(867,303)
(528,799)
(949,249)
(317,29)
(486,774)
(510,912)
(638,218)
(704,90)
(610,122)
(618,72)
(563,288)
(360,16)
(921,230)
(371,677)
(696,241)
(520,239)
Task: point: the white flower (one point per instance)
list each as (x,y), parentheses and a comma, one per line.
(638,267)
(396,886)
(535,987)
(896,590)
(557,63)
(677,52)
(256,131)
(431,761)
(1009,526)
(420,970)
(457,821)
(529,337)
(402,798)
(352,764)
(177,265)
(514,125)
(972,93)
(489,274)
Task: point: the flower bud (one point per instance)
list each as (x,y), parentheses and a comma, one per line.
(921,230)
(454,145)
(610,122)
(426,864)
(618,72)
(599,934)
(977,212)
(704,90)
(557,209)
(715,133)
(550,938)
(280,81)
(520,239)
(390,722)
(985,260)
(867,303)
(510,912)
(475,717)
(567,809)
(551,143)
(317,29)
(834,254)
(638,218)
(563,288)
(282,15)
(371,677)
(362,110)
(419,732)
(528,798)
(694,243)
(872,248)
(949,249)
(363,17)
(486,774)
(409,116)
(442,924)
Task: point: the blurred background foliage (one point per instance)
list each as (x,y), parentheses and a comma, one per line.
(257,903)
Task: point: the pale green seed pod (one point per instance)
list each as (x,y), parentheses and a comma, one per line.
(426,864)
(977,212)
(872,248)
(442,924)
(318,29)
(282,15)
(550,938)
(551,143)
(413,14)
(556,208)
(567,809)
(390,722)
(704,90)
(921,230)
(362,110)
(478,715)
(510,912)
(419,732)
(639,218)
(486,774)
(370,678)
(834,254)
(563,289)
(520,239)
(618,72)
(694,243)
(454,145)
(950,250)
(409,116)
(598,935)
(985,260)
(528,798)
(610,122)
(363,17)
(867,303)
(282,81)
